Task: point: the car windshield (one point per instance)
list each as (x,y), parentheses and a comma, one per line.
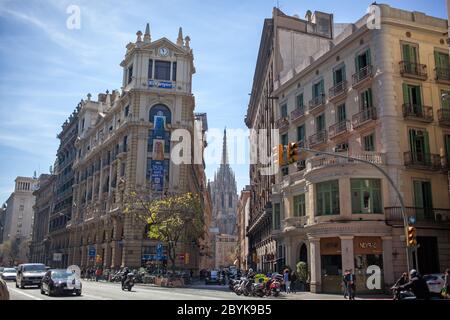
(34,268)
(8,270)
(61,274)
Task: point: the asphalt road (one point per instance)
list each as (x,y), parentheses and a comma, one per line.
(112,291)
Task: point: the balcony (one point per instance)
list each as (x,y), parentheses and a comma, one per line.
(363,117)
(421,214)
(282,124)
(442,75)
(316,103)
(297,113)
(339,128)
(418,112)
(362,76)
(338,91)
(324,161)
(420,160)
(319,138)
(413,70)
(444,117)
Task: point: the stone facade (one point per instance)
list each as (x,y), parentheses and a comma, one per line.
(19,220)
(383,103)
(243,215)
(224,211)
(122,137)
(286,42)
(44,195)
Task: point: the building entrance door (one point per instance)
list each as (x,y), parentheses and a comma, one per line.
(428,255)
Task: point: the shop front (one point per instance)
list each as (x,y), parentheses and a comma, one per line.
(368,253)
(331,265)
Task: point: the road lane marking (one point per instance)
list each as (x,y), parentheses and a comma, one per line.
(25,294)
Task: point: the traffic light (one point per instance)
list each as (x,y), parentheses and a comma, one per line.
(293,152)
(280,155)
(411,241)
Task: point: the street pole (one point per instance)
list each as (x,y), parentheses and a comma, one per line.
(402,205)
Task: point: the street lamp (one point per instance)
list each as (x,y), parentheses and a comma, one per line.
(402,205)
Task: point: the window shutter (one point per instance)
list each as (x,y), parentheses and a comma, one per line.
(322,87)
(343,74)
(406,98)
(437,59)
(412,139)
(370,101)
(418,194)
(426,142)
(406,53)
(368,58)
(357,64)
(334,77)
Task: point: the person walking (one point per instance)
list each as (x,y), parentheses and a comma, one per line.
(293,282)
(344,283)
(287,280)
(350,284)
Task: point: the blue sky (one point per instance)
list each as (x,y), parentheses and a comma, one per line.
(46,69)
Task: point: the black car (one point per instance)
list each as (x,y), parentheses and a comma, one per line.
(60,282)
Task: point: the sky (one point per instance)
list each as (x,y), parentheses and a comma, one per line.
(47,68)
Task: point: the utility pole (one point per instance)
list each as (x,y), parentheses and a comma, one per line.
(391,182)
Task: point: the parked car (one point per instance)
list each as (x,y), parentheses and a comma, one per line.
(60,282)
(435,282)
(30,274)
(214,277)
(9,274)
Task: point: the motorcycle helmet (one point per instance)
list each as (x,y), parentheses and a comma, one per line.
(413,273)
(250,270)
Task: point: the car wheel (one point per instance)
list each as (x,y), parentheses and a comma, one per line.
(42,291)
(17,285)
(50,292)
(78,293)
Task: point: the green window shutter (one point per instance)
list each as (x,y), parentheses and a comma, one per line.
(334,77)
(406,98)
(437,59)
(418,194)
(368,57)
(412,139)
(413,55)
(406,53)
(357,63)
(447,144)
(370,101)
(344,78)
(322,87)
(419,95)
(426,142)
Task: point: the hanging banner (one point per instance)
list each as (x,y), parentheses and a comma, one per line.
(158,150)
(159,127)
(157,177)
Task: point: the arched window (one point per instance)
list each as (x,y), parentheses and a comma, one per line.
(160,110)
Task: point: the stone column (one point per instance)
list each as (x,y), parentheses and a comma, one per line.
(348,260)
(315,265)
(83,256)
(344,196)
(131,256)
(388,267)
(107,257)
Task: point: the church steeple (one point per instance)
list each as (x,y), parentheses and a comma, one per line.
(224,148)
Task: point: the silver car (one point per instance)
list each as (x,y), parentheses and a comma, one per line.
(30,274)
(435,282)
(9,274)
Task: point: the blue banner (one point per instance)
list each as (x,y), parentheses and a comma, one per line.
(160,84)
(91,251)
(157,178)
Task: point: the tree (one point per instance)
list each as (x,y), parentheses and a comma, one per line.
(10,250)
(171,219)
(303,272)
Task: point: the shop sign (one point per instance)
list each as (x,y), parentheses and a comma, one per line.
(330,246)
(367,245)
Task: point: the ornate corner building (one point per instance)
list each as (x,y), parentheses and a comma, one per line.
(124,144)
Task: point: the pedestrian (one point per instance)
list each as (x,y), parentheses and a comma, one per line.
(351,284)
(293,282)
(287,280)
(446,289)
(344,283)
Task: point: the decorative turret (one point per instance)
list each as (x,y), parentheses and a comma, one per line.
(147,36)
(187,40)
(180,37)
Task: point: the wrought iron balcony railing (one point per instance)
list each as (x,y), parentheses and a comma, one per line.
(421,214)
(416,70)
(364,116)
(338,90)
(339,128)
(418,112)
(361,75)
(318,138)
(428,161)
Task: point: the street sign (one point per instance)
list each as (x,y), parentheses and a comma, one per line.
(57,257)
(412,220)
(91,252)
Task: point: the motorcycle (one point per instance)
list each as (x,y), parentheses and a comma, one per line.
(232,283)
(129,282)
(258,289)
(402,294)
